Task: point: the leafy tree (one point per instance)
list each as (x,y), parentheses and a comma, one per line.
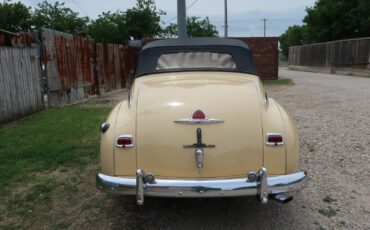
(110,28)
(14,17)
(196,27)
(294,36)
(59,17)
(363,19)
(330,20)
(200,28)
(144,19)
(139,22)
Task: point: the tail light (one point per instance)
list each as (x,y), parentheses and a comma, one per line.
(125,141)
(274,139)
(199,115)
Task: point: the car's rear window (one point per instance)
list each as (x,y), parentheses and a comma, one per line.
(195,60)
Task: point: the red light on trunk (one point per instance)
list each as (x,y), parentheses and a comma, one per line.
(124,141)
(274,139)
(199,115)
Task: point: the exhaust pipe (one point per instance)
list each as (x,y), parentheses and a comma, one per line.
(282,198)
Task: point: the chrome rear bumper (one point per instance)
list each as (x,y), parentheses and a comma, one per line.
(264,187)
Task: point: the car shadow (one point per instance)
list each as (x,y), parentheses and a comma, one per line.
(210,213)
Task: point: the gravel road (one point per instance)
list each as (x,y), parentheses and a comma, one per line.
(332,113)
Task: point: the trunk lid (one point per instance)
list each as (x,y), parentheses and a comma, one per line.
(169,97)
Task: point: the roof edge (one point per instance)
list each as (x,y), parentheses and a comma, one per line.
(204,41)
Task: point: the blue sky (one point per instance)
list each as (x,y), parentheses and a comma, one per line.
(245,16)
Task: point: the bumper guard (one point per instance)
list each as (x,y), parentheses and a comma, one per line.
(263,187)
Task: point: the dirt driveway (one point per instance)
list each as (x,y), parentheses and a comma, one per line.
(333,117)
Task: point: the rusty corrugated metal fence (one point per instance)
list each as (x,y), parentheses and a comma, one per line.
(115,65)
(69,64)
(78,67)
(353,53)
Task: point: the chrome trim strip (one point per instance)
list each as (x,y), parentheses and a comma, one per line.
(273,143)
(126,146)
(191,121)
(202,188)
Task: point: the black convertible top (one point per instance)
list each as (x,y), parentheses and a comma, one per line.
(151,52)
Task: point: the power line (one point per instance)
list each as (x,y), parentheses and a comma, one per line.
(188,8)
(32,3)
(191,5)
(258,20)
(287,20)
(78,5)
(170,20)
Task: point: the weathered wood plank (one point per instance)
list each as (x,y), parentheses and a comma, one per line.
(9,83)
(20,91)
(353,53)
(3,96)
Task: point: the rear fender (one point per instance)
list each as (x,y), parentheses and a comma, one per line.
(292,141)
(106,143)
(125,158)
(274,156)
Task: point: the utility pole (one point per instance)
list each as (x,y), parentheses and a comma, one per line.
(181,18)
(264,26)
(226,21)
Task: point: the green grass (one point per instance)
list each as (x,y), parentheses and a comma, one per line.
(66,137)
(40,193)
(329,199)
(329,212)
(278,82)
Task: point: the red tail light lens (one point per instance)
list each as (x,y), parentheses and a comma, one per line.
(274,139)
(199,115)
(125,141)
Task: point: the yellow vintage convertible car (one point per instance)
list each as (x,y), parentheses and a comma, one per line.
(198,123)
